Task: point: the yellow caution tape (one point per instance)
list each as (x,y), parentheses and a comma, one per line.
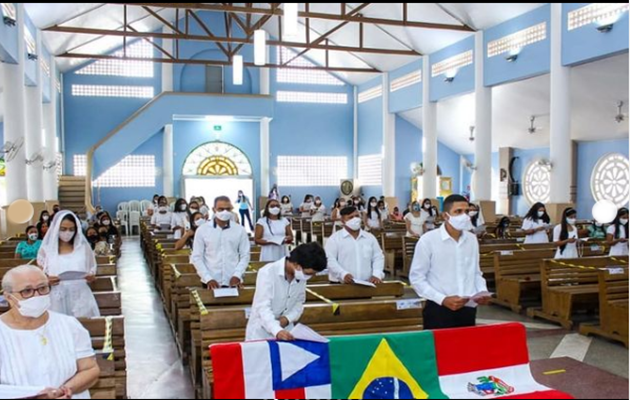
(559,371)
(108,344)
(619,260)
(574,265)
(335,306)
(176,272)
(202,308)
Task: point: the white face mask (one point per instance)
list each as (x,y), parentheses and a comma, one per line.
(354,224)
(194,210)
(106,222)
(200,222)
(274,211)
(541,214)
(66,236)
(473,213)
(34,307)
(33,236)
(373,204)
(301,276)
(45,217)
(163,209)
(427,206)
(460,222)
(571,221)
(183,207)
(224,216)
(623,221)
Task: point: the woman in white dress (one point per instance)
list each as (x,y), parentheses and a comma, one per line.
(373,219)
(68,260)
(335,215)
(428,214)
(42,349)
(414,221)
(384,210)
(478,225)
(163,217)
(180,221)
(318,211)
(536,224)
(617,234)
(286,207)
(566,235)
(306,206)
(273,233)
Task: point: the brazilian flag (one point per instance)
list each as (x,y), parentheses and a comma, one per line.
(394,366)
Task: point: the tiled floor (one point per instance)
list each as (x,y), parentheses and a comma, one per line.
(155,370)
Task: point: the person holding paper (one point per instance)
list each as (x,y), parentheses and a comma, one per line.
(536,224)
(163,217)
(221,248)
(273,233)
(39,348)
(65,249)
(354,254)
(281,293)
(445,270)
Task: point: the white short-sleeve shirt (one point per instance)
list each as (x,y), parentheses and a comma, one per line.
(538,237)
(570,250)
(620,249)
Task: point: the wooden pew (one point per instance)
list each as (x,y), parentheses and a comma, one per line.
(108,334)
(613,306)
(570,285)
(392,246)
(409,248)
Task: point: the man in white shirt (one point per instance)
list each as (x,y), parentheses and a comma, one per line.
(353,253)
(281,293)
(445,270)
(221,250)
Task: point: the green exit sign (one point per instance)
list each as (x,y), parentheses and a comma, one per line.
(218,127)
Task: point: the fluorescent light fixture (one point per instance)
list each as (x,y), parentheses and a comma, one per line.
(450,75)
(237,70)
(513,54)
(260,47)
(220,118)
(290,21)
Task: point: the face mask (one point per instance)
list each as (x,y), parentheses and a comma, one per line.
(45,217)
(106,222)
(623,221)
(56,210)
(416,208)
(274,211)
(318,203)
(427,206)
(541,214)
(163,209)
(356,202)
(34,307)
(354,224)
(301,276)
(33,236)
(194,210)
(571,221)
(460,222)
(373,204)
(224,216)
(473,213)
(182,207)
(66,236)
(200,222)
(93,238)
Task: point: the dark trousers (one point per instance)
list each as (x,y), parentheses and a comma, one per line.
(244,214)
(440,317)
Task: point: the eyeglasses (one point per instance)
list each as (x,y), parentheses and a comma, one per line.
(29,293)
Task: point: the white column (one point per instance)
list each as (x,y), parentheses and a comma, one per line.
(355,128)
(168,160)
(483,126)
(167,68)
(264,81)
(429,134)
(560,129)
(34,137)
(50,136)
(265,185)
(14,123)
(389,143)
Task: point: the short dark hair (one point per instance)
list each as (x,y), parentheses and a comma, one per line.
(347,211)
(162,198)
(221,198)
(28,228)
(310,255)
(452,199)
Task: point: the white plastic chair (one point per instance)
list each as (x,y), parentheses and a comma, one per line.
(123,216)
(134,220)
(134,205)
(145,205)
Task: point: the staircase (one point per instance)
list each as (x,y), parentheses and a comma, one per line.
(72,194)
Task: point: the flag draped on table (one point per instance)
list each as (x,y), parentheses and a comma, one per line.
(477,363)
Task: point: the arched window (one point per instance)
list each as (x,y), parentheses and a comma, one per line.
(537,183)
(610,179)
(217,159)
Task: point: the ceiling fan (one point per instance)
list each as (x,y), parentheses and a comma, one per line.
(532,128)
(620,117)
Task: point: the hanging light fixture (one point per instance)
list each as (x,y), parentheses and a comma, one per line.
(260,47)
(290,28)
(237,70)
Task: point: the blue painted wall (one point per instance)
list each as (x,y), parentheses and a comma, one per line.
(521,206)
(407,98)
(586,43)
(8,43)
(408,151)
(370,130)
(46,79)
(533,60)
(464,82)
(588,154)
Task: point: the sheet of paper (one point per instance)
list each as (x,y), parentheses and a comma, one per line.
(364,283)
(303,332)
(248,312)
(408,304)
(279,240)
(72,276)
(472,302)
(616,271)
(225,292)
(19,392)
